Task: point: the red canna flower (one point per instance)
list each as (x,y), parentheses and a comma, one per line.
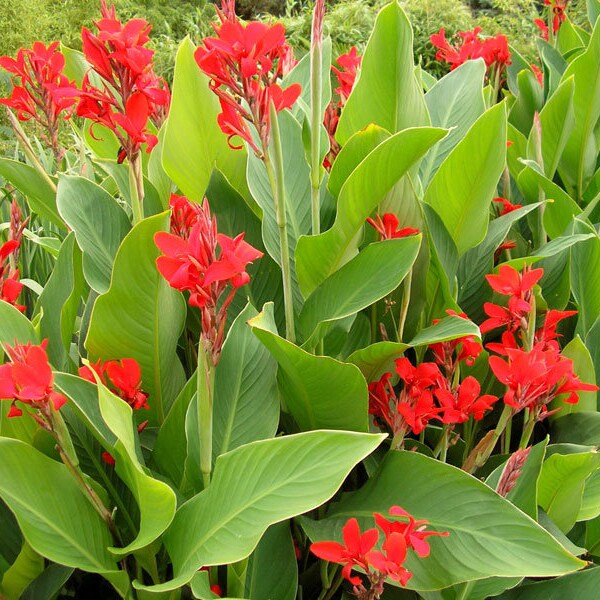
(190,263)
(40,91)
(123,377)
(390,562)
(28,379)
(462,402)
(557,8)
(244,63)
(387,227)
(507,207)
(539,75)
(352,553)
(131,92)
(10,286)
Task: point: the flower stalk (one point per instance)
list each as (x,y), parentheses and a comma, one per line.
(205,382)
(136,187)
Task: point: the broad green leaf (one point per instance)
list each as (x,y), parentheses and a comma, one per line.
(488,536)
(15,326)
(40,194)
(319,256)
(12,540)
(561,483)
(463,187)
(386,92)
(157,176)
(593,11)
(556,120)
(156,500)
(583,586)
(585,277)
(60,525)
(263,582)
(583,367)
(590,502)
(246,405)
(49,583)
(455,102)
(256,486)
(141,317)
(319,392)
(578,161)
(376,358)
(200,585)
(297,194)
(60,302)
(23,571)
(530,100)
(193,142)
(373,274)
(99,224)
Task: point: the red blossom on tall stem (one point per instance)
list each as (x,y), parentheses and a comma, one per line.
(10,286)
(192,263)
(387,227)
(28,379)
(245,63)
(505,206)
(131,93)
(41,91)
(358,551)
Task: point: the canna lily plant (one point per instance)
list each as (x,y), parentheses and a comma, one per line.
(317,327)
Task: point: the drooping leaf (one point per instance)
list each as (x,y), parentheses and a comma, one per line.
(28,565)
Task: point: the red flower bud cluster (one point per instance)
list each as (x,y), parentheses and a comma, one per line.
(557,11)
(40,91)
(387,227)
(131,92)
(244,63)
(505,206)
(190,263)
(358,550)
(346,75)
(534,372)
(28,379)
(10,286)
(493,50)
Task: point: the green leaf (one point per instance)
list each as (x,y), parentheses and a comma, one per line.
(376,358)
(246,405)
(156,500)
(141,317)
(193,141)
(263,582)
(556,120)
(577,428)
(23,571)
(593,11)
(15,326)
(530,100)
(60,525)
(590,502)
(99,224)
(488,536)
(578,160)
(463,187)
(319,392)
(376,272)
(60,302)
(49,583)
(254,487)
(40,194)
(387,92)
(583,586)
(456,102)
(561,483)
(319,256)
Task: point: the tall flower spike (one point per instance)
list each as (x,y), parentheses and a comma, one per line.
(244,63)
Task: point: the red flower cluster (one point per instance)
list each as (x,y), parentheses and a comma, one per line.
(449,354)
(493,50)
(387,227)
(10,286)
(41,90)
(190,263)
(131,92)
(358,551)
(506,206)
(122,377)
(244,63)
(537,372)
(346,75)
(558,11)
(28,378)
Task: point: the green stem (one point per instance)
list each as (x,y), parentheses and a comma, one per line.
(275,172)
(590,206)
(315,132)
(528,426)
(507,436)
(373,323)
(205,381)
(28,148)
(136,188)
(406,289)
